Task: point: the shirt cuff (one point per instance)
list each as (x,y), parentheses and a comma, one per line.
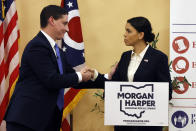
(79,76)
(106,76)
(95,75)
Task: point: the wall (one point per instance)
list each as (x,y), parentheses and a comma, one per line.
(103,26)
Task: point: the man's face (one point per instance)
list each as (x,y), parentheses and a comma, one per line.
(60,27)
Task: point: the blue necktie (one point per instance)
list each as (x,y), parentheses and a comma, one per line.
(60,99)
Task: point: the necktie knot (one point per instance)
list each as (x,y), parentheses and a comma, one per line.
(56,46)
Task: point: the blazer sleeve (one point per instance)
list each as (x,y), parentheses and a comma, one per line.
(119,73)
(40,61)
(163,73)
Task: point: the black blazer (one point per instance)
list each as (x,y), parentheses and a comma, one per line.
(153,68)
(35,96)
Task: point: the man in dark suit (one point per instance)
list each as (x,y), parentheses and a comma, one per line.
(36,104)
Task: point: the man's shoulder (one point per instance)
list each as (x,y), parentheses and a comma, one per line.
(38,40)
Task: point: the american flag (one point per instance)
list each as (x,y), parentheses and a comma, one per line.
(73,47)
(9,55)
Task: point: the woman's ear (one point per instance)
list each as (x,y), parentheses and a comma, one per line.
(141,35)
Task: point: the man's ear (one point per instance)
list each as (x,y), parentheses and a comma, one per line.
(51,20)
(141,35)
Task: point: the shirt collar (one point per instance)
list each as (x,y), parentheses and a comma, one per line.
(51,41)
(142,53)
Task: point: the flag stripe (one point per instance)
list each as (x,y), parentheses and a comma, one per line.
(68,97)
(2,65)
(10,28)
(65,125)
(2,91)
(2,52)
(5,101)
(1,32)
(14,64)
(3,105)
(13,77)
(12,52)
(2,71)
(2,81)
(12,38)
(1,43)
(9,16)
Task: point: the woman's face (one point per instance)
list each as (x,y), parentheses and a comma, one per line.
(131,35)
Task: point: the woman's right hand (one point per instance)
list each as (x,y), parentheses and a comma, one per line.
(112,71)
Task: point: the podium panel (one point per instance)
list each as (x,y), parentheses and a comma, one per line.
(136,103)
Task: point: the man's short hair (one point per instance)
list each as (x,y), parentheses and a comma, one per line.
(51,10)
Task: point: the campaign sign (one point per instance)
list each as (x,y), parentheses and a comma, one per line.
(182,119)
(136,103)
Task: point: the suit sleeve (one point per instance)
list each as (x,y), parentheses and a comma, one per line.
(82,85)
(99,83)
(40,61)
(163,73)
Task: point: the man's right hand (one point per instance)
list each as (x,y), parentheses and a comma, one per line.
(86,74)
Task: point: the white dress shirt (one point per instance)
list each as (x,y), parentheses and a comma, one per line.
(52,43)
(134,63)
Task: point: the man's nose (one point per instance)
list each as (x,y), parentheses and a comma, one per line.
(67,28)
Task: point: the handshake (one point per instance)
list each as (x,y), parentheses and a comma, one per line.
(87,73)
(91,74)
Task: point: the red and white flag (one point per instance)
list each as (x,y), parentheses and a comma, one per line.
(9,55)
(73,47)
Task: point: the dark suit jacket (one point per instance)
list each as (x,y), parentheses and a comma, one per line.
(36,91)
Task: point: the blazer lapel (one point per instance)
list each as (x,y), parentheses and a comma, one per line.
(126,64)
(144,63)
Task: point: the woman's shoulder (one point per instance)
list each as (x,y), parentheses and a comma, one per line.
(127,53)
(157,52)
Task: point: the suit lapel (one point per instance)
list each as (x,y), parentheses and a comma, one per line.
(144,63)
(66,66)
(47,44)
